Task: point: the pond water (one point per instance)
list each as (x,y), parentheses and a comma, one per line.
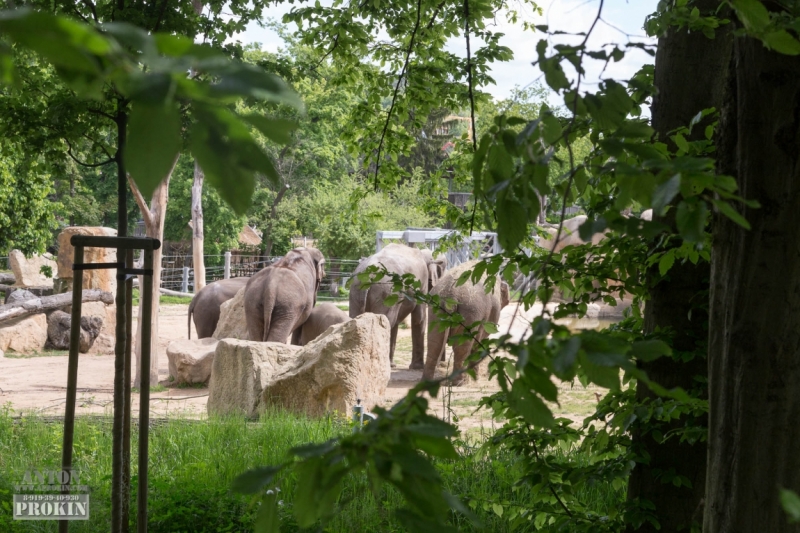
(577,324)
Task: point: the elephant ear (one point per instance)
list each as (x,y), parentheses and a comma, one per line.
(435,271)
(321,269)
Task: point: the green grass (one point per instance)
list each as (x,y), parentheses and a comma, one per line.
(153,388)
(192,464)
(45,353)
(164,299)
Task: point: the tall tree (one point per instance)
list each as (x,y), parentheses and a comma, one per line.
(678,301)
(198,238)
(754,359)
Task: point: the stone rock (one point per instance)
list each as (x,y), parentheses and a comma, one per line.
(107,313)
(347,362)
(103,345)
(2,354)
(20,295)
(58,331)
(190,360)
(240,370)
(232,322)
(37,292)
(25,335)
(104,279)
(27,272)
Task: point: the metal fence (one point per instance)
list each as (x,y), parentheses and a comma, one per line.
(177,272)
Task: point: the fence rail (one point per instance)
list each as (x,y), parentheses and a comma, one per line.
(177,272)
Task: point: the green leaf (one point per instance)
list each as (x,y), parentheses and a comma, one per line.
(665,192)
(666,262)
(752,13)
(530,406)
(275,129)
(691,220)
(254,480)
(727,209)
(242,80)
(790,502)
(551,128)
(512,223)
(154,140)
(490,328)
(267,520)
(498,509)
(782,41)
(566,356)
(650,350)
(391,300)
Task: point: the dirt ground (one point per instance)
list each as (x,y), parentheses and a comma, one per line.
(38,383)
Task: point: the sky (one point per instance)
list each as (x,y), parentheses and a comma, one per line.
(621,21)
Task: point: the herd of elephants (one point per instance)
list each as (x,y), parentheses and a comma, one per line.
(280,300)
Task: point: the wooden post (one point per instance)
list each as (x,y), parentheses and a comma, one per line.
(227,274)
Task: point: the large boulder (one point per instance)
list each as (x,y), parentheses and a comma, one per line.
(232,322)
(103,345)
(104,279)
(20,295)
(349,361)
(239,372)
(107,313)
(190,360)
(28,272)
(58,331)
(25,335)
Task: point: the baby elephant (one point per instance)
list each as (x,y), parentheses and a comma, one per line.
(474,304)
(322,317)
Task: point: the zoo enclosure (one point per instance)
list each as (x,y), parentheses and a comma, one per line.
(177,272)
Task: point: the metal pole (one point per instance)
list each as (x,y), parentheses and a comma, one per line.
(144,393)
(72,371)
(126,394)
(117,487)
(227,265)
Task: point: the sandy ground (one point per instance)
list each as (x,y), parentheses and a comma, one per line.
(38,383)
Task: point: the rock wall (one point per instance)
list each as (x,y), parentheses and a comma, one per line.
(104,279)
(27,271)
(232,322)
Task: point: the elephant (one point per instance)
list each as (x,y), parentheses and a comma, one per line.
(474,304)
(399,259)
(321,318)
(279,298)
(207,302)
(569,235)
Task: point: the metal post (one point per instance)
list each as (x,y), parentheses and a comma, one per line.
(72,371)
(117,488)
(185,280)
(126,394)
(144,392)
(227,265)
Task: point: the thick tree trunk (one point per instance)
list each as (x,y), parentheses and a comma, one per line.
(754,343)
(154,217)
(680,301)
(197,229)
(48,303)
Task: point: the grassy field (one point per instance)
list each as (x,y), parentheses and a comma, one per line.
(192,464)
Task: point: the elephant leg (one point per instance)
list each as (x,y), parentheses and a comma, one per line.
(418,317)
(297,335)
(392,342)
(460,353)
(437,346)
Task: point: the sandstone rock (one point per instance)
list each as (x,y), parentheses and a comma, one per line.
(58,331)
(27,272)
(190,360)
(347,362)
(104,279)
(25,335)
(239,372)
(2,354)
(232,322)
(103,345)
(107,313)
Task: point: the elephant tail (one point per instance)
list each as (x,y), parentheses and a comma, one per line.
(189,319)
(268,310)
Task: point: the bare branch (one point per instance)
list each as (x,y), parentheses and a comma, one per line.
(147,216)
(87,165)
(92,8)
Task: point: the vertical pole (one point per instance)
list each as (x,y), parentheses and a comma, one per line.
(72,371)
(144,393)
(227,265)
(185,280)
(126,394)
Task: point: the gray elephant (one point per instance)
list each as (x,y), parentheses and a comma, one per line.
(399,259)
(279,298)
(207,302)
(474,304)
(321,318)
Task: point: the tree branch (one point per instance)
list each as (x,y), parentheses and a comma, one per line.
(101,113)
(92,8)
(87,165)
(147,216)
(403,74)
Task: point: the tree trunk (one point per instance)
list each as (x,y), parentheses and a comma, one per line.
(48,303)
(754,343)
(197,229)
(680,301)
(154,217)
